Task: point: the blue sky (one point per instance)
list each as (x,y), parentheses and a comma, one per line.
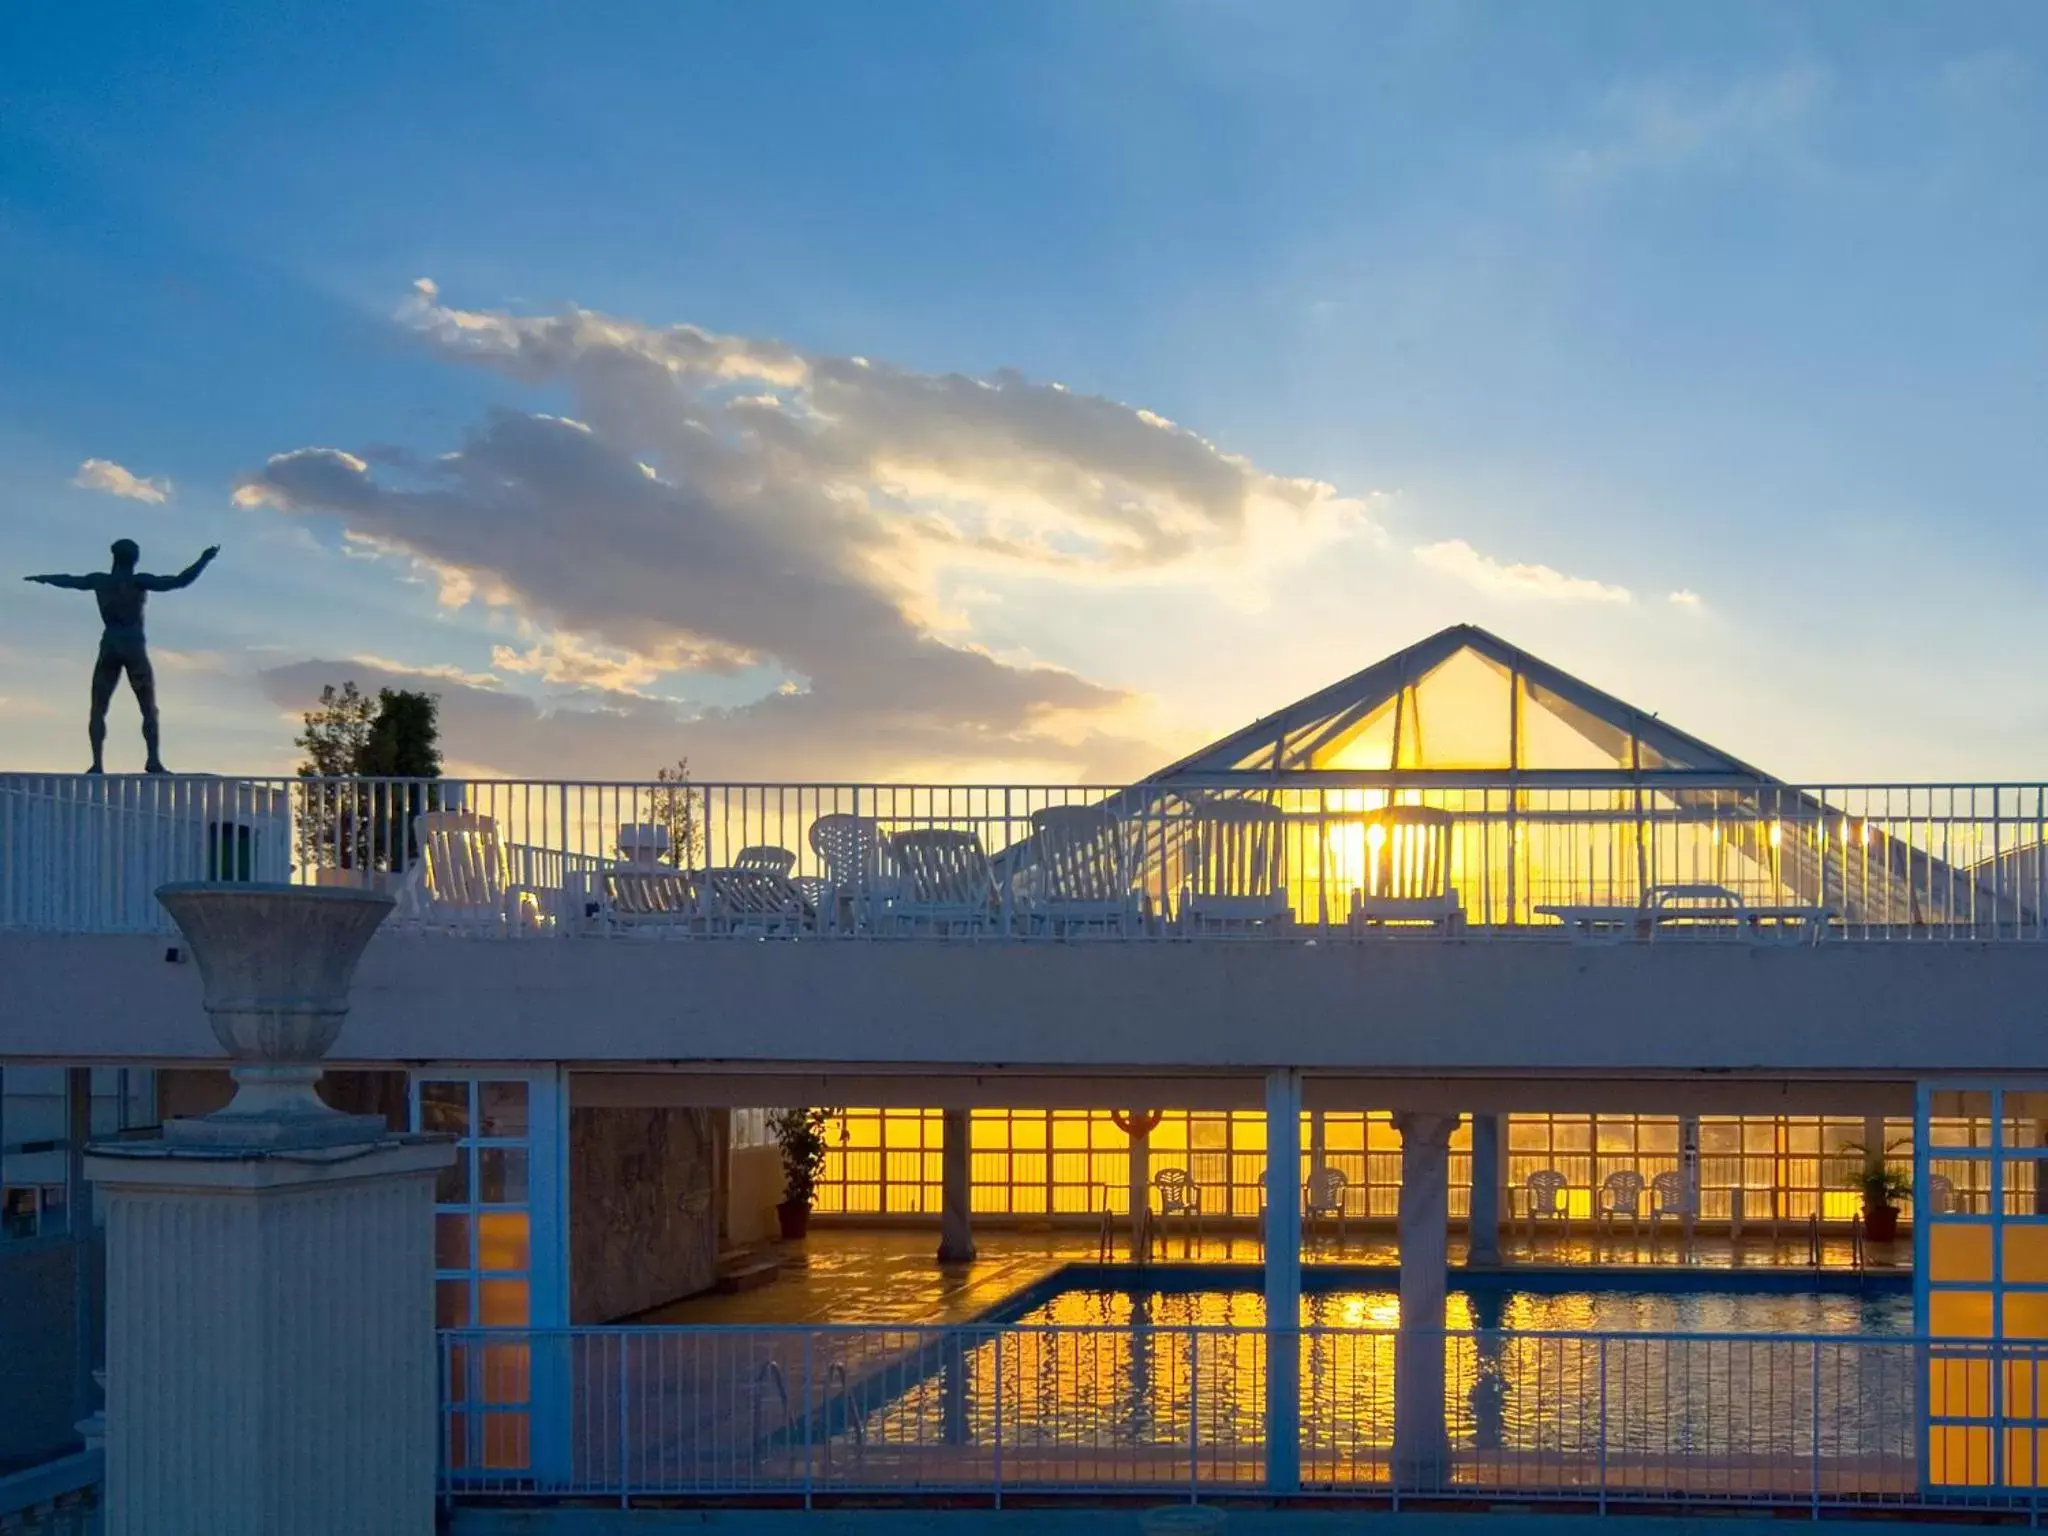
(1366,319)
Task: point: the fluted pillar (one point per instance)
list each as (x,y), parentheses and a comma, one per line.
(1421,1442)
(956,1192)
(271,1361)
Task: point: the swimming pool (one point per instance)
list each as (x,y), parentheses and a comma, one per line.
(1688,1302)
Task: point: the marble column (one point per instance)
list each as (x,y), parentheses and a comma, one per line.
(1421,1442)
(956,1171)
(1283,1281)
(271,1361)
(1482,1227)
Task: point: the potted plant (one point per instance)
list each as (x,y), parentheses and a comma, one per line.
(800,1133)
(1883,1188)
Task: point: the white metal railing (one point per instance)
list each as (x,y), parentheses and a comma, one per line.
(1655,857)
(1814,1422)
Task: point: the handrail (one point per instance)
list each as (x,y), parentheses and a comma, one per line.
(771,1370)
(837,1371)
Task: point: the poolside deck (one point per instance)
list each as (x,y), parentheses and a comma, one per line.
(889,1275)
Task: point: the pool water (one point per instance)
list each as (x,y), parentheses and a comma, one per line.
(1886,1312)
(1760,1366)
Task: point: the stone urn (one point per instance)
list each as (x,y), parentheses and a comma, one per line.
(275,962)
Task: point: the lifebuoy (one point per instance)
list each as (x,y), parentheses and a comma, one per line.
(1136,1122)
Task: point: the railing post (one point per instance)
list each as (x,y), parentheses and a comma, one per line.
(809,1339)
(1603,1423)
(625,1420)
(1816,1429)
(1194,1412)
(998,1420)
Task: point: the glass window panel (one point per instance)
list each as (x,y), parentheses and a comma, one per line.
(444,1108)
(2026,1253)
(501,1175)
(451,1184)
(1959,1314)
(504,1241)
(2026,1315)
(502,1303)
(451,1241)
(451,1304)
(1958,1456)
(501,1111)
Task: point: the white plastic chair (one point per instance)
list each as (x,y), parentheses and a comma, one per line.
(463,881)
(766,858)
(650,899)
(1079,876)
(1941,1194)
(756,903)
(1179,1195)
(1671,1195)
(1325,1197)
(1409,874)
(943,880)
(1621,1194)
(1236,867)
(850,847)
(1544,1198)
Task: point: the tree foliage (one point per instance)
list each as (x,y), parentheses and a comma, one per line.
(673,807)
(348,738)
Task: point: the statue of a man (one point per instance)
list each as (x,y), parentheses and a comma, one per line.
(122,592)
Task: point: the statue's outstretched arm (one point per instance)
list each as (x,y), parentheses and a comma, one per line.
(184,578)
(71,583)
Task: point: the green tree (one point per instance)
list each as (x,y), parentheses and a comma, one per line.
(348,738)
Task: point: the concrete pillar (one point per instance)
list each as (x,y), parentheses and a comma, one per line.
(271,1360)
(1421,1441)
(956,1165)
(1482,1228)
(1283,1281)
(270,1340)
(1141,1194)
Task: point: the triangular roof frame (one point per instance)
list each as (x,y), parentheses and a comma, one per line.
(1342,703)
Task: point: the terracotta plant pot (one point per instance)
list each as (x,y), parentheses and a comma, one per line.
(794,1219)
(1881,1223)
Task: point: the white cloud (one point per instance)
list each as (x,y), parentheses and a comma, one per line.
(713,503)
(106,475)
(1656,127)
(1456,558)
(1685,598)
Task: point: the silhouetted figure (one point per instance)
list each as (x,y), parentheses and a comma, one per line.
(122,592)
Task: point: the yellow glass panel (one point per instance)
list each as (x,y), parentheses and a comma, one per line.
(2023,1448)
(504,1241)
(1027,1131)
(1958,1457)
(1070,1135)
(2026,1315)
(1579,1202)
(502,1304)
(1840,1205)
(989,1130)
(2020,1386)
(1248,1132)
(863,1128)
(1959,1314)
(1959,1387)
(1959,1251)
(506,1441)
(2026,1253)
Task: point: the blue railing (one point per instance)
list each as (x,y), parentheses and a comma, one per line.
(1816,1422)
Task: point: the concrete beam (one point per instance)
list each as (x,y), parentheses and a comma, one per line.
(1451,1007)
